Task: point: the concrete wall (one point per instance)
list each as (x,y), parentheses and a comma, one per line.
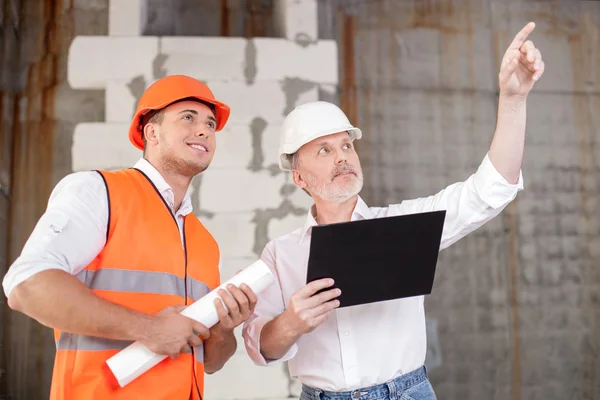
(515,305)
(514,309)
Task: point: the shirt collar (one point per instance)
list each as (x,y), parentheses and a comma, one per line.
(163,187)
(361,211)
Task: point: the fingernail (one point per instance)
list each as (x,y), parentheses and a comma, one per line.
(338,291)
(331,281)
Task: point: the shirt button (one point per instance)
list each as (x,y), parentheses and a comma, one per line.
(346,332)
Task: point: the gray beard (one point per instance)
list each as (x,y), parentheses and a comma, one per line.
(333,193)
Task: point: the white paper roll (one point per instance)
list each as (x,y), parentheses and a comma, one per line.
(136,359)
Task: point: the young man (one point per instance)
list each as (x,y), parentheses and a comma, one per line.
(373,351)
(117,255)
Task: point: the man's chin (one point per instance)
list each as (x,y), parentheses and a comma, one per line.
(343,195)
(193,168)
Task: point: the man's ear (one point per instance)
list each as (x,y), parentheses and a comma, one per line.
(298,179)
(151,133)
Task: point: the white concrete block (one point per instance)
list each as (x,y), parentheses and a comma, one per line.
(240,379)
(102,146)
(270,144)
(241,350)
(307,96)
(277,59)
(280,227)
(297,19)
(119,102)
(231,265)
(233,232)
(329,89)
(264,100)
(95,60)
(205,58)
(295,388)
(127,17)
(234,146)
(239,190)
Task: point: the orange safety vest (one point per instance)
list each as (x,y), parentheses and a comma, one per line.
(144,267)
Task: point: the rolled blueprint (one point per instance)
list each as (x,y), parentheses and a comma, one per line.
(136,359)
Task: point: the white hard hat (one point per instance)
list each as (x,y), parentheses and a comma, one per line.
(308,122)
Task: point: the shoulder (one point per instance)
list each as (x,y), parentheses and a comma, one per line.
(291,237)
(281,242)
(79,184)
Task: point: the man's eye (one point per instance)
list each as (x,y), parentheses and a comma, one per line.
(188,117)
(323,151)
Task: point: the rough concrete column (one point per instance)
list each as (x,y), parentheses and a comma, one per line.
(127,18)
(297,20)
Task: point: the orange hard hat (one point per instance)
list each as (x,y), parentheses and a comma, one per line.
(167,91)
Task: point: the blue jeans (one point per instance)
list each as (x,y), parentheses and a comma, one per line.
(411,386)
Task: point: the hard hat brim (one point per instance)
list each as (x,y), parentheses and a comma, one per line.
(284,162)
(135,134)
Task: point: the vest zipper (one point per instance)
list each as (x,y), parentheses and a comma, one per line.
(185,266)
(186,301)
(185,258)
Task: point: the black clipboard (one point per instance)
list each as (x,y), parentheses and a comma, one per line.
(378,259)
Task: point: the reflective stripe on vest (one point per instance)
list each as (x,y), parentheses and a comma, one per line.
(129,281)
(123,280)
(70,341)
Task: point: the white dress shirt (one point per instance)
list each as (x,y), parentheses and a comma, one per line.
(72,231)
(361,346)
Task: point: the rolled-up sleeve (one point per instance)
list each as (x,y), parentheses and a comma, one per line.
(70,233)
(468,204)
(269,305)
(492,187)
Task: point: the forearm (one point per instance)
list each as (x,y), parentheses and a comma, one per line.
(218,348)
(60,301)
(277,338)
(506,150)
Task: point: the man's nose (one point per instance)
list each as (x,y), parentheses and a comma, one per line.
(202,132)
(340,157)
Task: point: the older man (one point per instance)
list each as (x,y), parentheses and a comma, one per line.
(373,351)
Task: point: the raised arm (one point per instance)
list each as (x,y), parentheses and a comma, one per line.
(521,67)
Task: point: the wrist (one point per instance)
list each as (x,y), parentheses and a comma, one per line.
(288,327)
(141,327)
(512,101)
(219,333)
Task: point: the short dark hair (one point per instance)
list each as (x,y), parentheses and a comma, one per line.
(155,117)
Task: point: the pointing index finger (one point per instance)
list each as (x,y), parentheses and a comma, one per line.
(522,36)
